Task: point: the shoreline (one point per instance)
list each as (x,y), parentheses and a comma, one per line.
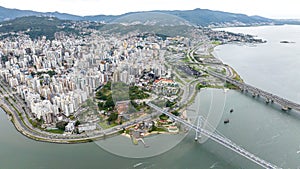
(29,135)
(22,127)
(50,140)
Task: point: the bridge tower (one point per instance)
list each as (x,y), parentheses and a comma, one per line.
(199,127)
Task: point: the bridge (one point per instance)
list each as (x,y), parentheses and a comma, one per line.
(219,139)
(284,103)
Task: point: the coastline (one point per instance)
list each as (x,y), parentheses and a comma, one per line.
(50,140)
(20,127)
(19,123)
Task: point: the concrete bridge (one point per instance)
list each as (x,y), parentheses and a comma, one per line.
(256,92)
(218,139)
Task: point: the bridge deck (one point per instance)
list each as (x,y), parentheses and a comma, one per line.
(256,91)
(219,139)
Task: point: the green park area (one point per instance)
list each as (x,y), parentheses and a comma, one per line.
(111,93)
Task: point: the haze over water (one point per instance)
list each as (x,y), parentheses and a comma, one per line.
(261,129)
(272,66)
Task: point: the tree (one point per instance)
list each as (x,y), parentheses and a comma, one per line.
(169,104)
(112,117)
(77,123)
(176,113)
(135,105)
(109,104)
(61,125)
(101,96)
(100,105)
(163,117)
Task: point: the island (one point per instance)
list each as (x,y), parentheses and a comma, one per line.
(285,41)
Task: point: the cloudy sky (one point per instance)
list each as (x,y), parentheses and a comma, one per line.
(266,8)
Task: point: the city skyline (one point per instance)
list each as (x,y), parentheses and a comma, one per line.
(278,10)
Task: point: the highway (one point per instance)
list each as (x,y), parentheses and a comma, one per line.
(269,97)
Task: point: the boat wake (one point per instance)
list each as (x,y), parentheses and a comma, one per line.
(137,165)
(214,165)
(143,166)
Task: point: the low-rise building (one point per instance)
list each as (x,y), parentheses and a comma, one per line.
(70,127)
(86,127)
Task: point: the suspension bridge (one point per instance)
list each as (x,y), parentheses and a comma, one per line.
(217,138)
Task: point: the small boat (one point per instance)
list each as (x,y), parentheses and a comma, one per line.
(284,41)
(231,110)
(284,108)
(226,121)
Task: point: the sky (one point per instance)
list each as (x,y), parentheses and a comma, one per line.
(279,9)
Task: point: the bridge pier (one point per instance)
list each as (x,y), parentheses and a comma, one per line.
(218,139)
(256,92)
(242,88)
(267,100)
(199,126)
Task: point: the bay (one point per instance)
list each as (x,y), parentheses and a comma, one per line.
(262,129)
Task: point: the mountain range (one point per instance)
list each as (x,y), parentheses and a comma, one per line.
(199,17)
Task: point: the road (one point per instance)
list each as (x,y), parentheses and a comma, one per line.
(229,71)
(23,125)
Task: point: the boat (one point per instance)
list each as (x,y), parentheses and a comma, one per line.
(231,110)
(284,41)
(226,121)
(284,108)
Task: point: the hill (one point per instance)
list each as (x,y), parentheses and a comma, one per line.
(205,17)
(200,17)
(7,14)
(178,30)
(151,18)
(151,22)
(37,26)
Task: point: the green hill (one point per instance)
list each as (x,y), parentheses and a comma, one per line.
(151,18)
(200,17)
(37,26)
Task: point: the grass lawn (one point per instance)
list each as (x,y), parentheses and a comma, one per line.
(104,125)
(55,131)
